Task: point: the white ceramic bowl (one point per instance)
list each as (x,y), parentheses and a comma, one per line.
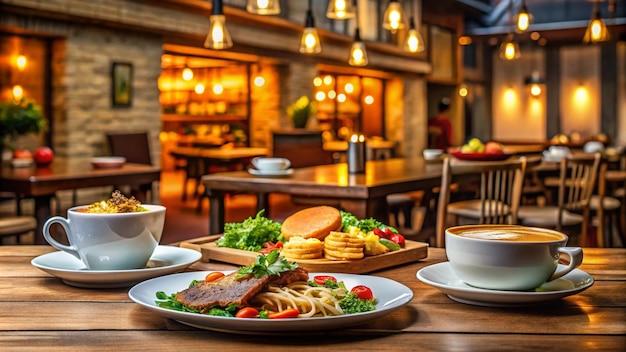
(432,154)
(108,162)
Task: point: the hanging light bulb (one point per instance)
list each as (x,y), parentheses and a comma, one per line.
(509,49)
(310,42)
(20,62)
(263,7)
(524,18)
(394,16)
(596,30)
(358,54)
(340,9)
(218,37)
(414,43)
(18,92)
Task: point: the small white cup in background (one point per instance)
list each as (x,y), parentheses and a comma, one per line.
(508,257)
(271,164)
(593,147)
(432,154)
(120,241)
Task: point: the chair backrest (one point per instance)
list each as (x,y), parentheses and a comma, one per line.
(500,190)
(577,181)
(135,147)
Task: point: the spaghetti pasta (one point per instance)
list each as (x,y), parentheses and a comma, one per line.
(312,301)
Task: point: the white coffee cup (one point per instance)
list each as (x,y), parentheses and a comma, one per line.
(119,241)
(508,257)
(271,164)
(432,154)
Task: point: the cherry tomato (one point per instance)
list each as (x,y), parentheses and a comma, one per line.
(321,279)
(284,314)
(398,239)
(363,292)
(380,233)
(270,246)
(388,232)
(247,312)
(213,276)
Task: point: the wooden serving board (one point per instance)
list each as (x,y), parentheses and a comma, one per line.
(412,252)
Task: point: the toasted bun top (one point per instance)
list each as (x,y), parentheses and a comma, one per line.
(315,222)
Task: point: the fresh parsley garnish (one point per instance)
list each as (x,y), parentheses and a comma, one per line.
(251,234)
(267,265)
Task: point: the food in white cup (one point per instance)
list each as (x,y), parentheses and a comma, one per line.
(105,240)
(508,257)
(271,164)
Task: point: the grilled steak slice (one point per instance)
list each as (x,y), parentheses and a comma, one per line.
(287,277)
(222,292)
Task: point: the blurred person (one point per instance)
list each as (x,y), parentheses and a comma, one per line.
(440,128)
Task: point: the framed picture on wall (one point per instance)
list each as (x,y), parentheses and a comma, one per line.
(121,84)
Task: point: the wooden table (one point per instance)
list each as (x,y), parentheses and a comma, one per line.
(41,183)
(39,311)
(200,160)
(364,195)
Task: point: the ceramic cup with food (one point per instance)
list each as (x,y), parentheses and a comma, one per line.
(508,257)
(110,241)
(432,154)
(271,164)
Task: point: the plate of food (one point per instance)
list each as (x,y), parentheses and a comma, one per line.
(320,239)
(269,296)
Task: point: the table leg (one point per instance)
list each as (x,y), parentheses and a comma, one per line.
(216,211)
(363,208)
(262,203)
(42,213)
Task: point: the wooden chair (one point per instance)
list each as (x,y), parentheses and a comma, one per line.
(499,193)
(577,179)
(606,204)
(135,147)
(16,226)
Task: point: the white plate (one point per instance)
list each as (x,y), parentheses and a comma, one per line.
(390,295)
(165,260)
(441,276)
(257,172)
(108,162)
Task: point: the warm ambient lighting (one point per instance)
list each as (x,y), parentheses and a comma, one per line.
(218,89)
(509,49)
(340,9)
(358,55)
(523,18)
(187,74)
(394,16)
(259,81)
(20,62)
(414,43)
(320,96)
(263,7)
(596,30)
(369,100)
(199,88)
(534,83)
(349,87)
(535,90)
(18,92)
(317,82)
(463,91)
(218,37)
(328,80)
(310,42)
(465,40)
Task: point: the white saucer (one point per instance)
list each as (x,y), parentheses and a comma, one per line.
(165,260)
(441,276)
(258,172)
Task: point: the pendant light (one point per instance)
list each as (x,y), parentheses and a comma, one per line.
(340,9)
(358,54)
(394,16)
(596,30)
(310,42)
(263,7)
(218,37)
(509,49)
(523,18)
(413,43)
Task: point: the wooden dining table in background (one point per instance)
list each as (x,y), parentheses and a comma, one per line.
(41,183)
(40,312)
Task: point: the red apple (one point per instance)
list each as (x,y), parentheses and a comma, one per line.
(22,154)
(494,148)
(43,156)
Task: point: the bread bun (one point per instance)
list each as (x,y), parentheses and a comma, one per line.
(315,222)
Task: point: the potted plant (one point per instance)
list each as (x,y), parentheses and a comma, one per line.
(18,118)
(300,111)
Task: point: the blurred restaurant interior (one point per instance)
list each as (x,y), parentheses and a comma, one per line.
(109,66)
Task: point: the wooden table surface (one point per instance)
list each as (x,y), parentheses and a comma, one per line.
(40,312)
(41,183)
